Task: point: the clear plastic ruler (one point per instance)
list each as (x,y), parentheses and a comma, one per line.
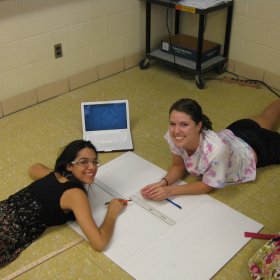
(43,259)
(107,189)
(138,200)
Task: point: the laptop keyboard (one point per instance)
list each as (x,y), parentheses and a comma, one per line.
(109,138)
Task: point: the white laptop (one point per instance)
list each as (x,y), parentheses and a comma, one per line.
(107,125)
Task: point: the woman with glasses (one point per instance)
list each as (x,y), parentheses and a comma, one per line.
(230,156)
(54,198)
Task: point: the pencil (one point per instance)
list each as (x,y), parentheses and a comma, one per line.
(172,202)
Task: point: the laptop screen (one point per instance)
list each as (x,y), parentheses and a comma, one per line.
(105,116)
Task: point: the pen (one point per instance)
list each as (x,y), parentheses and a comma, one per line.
(172,202)
(121,200)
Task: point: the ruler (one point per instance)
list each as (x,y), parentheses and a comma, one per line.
(43,259)
(107,189)
(137,199)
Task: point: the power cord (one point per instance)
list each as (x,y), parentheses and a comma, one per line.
(258,82)
(168,30)
(180,72)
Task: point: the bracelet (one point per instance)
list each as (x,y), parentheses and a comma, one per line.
(165,181)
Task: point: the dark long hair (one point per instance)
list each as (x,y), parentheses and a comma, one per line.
(193,109)
(68,154)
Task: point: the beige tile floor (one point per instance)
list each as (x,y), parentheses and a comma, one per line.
(36,134)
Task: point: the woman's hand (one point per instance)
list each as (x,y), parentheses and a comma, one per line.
(156,191)
(98,236)
(115,206)
(165,187)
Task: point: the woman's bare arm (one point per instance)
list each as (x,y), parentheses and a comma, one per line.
(98,237)
(38,171)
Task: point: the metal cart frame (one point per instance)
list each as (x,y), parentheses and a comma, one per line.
(198,68)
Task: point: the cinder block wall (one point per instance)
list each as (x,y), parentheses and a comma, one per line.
(255,40)
(103,37)
(98,37)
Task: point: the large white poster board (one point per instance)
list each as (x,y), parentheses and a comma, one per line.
(207,233)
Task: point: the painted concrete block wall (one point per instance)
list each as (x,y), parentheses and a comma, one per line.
(98,32)
(256,34)
(92,32)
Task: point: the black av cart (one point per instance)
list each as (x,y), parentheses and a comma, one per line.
(197,67)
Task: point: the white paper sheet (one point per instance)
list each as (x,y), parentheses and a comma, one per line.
(206,230)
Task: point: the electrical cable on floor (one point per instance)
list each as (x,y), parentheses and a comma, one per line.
(185,76)
(273,90)
(237,76)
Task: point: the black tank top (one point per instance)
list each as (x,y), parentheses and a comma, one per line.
(47,191)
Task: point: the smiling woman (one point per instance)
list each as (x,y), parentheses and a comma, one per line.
(230,156)
(55,197)
(78,161)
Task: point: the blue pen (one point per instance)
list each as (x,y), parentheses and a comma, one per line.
(175,204)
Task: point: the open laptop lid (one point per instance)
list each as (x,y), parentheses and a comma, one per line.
(102,118)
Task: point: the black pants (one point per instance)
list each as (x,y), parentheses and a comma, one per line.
(265,143)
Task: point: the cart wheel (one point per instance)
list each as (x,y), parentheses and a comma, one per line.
(144,64)
(221,68)
(199,82)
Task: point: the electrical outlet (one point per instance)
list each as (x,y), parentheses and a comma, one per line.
(58,51)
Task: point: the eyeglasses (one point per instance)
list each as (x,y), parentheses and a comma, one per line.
(85,162)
